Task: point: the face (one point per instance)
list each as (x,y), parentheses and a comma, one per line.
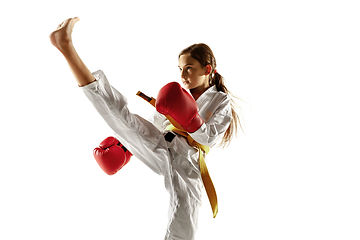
(193,75)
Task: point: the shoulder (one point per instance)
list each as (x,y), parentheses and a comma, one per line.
(221,101)
(213,103)
(219,97)
(212,95)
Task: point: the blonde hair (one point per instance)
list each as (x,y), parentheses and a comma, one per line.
(205,56)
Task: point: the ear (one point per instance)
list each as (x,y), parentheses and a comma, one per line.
(208,69)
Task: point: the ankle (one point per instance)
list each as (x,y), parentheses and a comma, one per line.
(66,46)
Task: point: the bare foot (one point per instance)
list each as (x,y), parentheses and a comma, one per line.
(61,37)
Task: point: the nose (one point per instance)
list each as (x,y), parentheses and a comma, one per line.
(183,74)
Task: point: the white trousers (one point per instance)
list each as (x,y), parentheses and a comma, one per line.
(175,160)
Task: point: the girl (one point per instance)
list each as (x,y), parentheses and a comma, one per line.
(172,157)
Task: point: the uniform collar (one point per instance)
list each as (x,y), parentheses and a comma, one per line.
(205,95)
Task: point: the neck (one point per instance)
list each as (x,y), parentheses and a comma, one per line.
(196,92)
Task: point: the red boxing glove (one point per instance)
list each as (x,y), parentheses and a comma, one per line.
(175,101)
(111,155)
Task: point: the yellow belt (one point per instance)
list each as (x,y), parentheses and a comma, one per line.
(177,128)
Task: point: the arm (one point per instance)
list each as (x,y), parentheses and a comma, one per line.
(216,126)
(206,126)
(62,40)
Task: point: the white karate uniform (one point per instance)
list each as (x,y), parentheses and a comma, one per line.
(175,160)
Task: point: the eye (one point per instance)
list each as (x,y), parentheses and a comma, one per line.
(187,69)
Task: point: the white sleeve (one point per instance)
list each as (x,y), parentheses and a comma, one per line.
(216,126)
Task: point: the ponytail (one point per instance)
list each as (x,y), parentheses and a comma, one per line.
(218,81)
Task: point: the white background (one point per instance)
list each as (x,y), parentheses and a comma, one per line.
(294,175)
